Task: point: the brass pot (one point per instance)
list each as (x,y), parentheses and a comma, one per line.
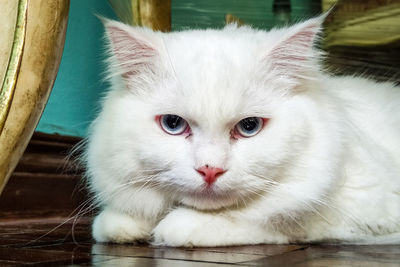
(31,45)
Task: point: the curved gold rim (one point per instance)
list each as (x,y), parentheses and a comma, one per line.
(10,79)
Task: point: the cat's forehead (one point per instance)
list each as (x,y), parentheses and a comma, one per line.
(214,54)
(214,73)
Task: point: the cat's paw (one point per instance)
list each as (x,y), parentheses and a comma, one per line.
(182,227)
(188,228)
(112,226)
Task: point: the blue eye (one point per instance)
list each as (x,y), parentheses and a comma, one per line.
(249,127)
(173,124)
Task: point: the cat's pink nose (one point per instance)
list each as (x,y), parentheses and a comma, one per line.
(210,174)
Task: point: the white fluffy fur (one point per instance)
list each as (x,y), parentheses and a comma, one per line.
(325,168)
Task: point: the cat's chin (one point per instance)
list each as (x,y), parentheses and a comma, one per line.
(209,200)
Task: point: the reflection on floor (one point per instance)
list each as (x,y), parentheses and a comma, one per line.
(46,241)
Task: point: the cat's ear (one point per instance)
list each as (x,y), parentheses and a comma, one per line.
(292,56)
(133,50)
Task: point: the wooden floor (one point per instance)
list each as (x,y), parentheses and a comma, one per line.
(46,242)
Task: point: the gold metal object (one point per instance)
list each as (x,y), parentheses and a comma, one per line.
(11,73)
(154,14)
(229,18)
(35,55)
(327,4)
(372,23)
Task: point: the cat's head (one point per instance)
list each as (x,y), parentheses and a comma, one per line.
(212,117)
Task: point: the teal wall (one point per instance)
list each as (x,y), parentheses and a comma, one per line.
(74,100)
(258,13)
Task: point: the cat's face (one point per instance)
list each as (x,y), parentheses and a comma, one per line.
(191,103)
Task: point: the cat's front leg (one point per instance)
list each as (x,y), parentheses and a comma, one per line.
(113,226)
(188,227)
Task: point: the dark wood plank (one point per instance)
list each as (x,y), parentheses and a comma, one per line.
(46,182)
(171,253)
(40,194)
(48,153)
(335,256)
(148,262)
(29,256)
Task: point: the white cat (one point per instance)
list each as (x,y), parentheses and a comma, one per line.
(235,136)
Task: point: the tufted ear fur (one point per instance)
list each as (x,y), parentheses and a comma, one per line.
(134,51)
(292,57)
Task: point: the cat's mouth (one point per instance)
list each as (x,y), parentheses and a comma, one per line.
(209,198)
(208,191)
